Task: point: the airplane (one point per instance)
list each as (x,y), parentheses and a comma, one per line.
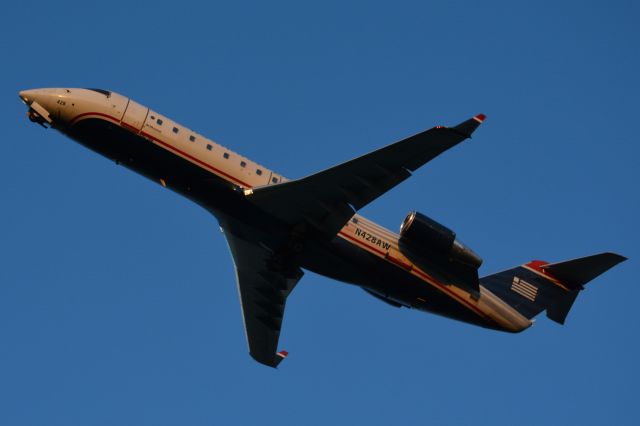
(276,228)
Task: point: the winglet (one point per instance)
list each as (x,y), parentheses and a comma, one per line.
(468,127)
(280,357)
(283,354)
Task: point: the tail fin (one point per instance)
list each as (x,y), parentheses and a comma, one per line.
(538,286)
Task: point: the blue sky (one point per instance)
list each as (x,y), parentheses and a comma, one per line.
(117,298)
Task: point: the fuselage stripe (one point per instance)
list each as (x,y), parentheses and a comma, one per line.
(166,145)
(195,160)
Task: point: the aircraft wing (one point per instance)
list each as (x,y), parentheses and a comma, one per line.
(328,199)
(264,282)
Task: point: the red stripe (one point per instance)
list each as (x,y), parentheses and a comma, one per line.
(398,262)
(539,267)
(77,117)
(128,126)
(196,160)
(166,145)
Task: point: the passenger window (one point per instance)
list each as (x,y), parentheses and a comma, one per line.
(209,147)
(152,117)
(192,138)
(159,122)
(226,155)
(243,164)
(175,130)
(259,172)
(274,180)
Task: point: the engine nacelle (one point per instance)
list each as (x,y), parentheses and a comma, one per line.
(421,233)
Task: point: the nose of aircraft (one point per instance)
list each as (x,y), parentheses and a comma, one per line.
(40,96)
(39,102)
(27,96)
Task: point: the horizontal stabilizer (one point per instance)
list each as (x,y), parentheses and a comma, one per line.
(577,272)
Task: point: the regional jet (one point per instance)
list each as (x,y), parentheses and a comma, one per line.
(276,228)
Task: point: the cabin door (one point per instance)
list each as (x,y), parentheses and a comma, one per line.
(134,116)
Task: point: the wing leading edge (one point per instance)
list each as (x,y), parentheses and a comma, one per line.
(328,199)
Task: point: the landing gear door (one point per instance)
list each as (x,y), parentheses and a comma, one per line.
(134,116)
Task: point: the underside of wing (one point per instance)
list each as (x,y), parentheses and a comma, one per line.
(264,282)
(326,200)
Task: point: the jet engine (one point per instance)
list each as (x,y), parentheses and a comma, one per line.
(420,233)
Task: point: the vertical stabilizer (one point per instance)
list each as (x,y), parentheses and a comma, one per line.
(538,286)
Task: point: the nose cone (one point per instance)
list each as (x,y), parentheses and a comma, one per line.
(40,102)
(38,95)
(27,96)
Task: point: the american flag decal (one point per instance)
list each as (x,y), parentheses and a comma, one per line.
(524,289)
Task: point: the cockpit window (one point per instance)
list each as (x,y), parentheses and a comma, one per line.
(102,91)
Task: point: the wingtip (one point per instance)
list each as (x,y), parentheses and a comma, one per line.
(618,258)
(480,118)
(466,128)
(280,356)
